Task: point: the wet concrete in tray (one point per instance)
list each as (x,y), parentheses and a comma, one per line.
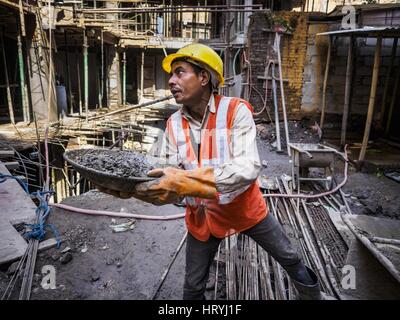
(118,163)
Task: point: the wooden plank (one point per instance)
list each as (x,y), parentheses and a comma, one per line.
(6,153)
(12,165)
(47,244)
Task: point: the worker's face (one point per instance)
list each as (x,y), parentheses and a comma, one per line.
(186,86)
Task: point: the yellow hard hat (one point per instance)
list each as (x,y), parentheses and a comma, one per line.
(199,53)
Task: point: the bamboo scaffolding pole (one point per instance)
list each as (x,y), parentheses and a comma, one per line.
(285,121)
(85,75)
(24,102)
(325,83)
(308,241)
(124,78)
(349,72)
(372,248)
(9,98)
(392,102)
(102,69)
(324,253)
(371,105)
(71,110)
(79,81)
(387,80)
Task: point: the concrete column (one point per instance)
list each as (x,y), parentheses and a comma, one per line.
(39,80)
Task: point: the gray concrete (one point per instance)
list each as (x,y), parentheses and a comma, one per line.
(109,265)
(16,207)
(373,281)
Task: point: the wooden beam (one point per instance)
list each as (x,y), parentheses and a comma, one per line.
(12,165)
(347,90)
(22,18)
(371,105)
(6,153)
(387,80)
(9,4)
(328,61)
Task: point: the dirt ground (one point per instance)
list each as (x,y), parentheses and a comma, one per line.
(102,264)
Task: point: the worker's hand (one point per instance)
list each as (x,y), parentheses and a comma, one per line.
(126,195)
(175,183)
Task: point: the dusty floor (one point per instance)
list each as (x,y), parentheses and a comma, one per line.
(108,265)
(130,264)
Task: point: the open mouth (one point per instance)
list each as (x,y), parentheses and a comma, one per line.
(175,92)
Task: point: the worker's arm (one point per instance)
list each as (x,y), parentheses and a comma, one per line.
(244,166)
(167,151)
(240,171)
(175,184)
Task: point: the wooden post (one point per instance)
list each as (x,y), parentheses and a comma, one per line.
(124,77)
(328,61)
(205,21)
(387,80)
(102,71)
(347,90)
(22,18)
(79,80)
(71,109)
(24,102)
(394,95)
(85,75)
(285,120)
(371,104)
(9,99)
(181,19)
(142,74)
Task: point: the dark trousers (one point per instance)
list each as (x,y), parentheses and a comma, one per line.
(268,234)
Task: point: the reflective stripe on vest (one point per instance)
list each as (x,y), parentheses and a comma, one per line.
(182,138)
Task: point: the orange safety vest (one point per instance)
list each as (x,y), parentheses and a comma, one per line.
(231,212)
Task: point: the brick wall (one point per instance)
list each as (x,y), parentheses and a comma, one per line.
(293,49)
(303,65)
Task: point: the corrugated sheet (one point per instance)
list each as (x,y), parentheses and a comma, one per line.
(366,31)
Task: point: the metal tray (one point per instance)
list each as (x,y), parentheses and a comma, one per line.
(105,180)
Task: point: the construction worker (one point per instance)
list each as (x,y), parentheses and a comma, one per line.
(214,138)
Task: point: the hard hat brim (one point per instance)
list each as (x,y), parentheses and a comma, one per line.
(168,60)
